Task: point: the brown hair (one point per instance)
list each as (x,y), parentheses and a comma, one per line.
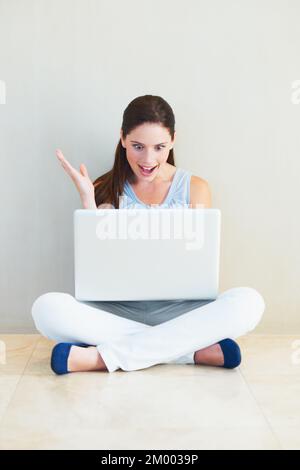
(143,109)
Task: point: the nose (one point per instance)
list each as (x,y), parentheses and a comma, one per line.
(148,160)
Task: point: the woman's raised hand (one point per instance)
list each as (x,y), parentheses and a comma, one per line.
(81,179)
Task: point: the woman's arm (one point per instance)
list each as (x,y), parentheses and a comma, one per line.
(89,203)
(199,193)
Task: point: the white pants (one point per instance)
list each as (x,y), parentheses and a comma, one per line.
(131,345)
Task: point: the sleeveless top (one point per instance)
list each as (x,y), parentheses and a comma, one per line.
(178,194)
(153,312)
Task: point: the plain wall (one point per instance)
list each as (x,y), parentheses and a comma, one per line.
(226,68)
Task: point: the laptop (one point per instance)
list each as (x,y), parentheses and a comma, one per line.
(146,254)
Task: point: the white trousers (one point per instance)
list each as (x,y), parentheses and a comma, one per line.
(131,345)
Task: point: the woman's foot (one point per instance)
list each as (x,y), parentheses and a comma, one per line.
(226,353)
(85,359)
(211,356)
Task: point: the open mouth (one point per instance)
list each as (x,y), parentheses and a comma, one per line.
(147,170)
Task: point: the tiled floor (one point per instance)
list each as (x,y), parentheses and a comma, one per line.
(167,406)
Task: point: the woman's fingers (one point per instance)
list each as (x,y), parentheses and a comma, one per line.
(83,170)
(62,159)
(80,178)
(66,165)
(60,155)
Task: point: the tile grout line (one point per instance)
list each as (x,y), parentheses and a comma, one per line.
(261,409)
(21,375)
(33,351)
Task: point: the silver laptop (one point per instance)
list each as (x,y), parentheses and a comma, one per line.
(146,254)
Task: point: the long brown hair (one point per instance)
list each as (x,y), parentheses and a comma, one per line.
(143,109)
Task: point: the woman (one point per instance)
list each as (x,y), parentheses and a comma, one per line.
(107,336)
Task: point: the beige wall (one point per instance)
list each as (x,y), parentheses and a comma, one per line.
(227,69)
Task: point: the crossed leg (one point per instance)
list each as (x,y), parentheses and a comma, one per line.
(61,318)
(132,345)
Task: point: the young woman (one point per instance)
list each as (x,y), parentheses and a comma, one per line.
(132,335)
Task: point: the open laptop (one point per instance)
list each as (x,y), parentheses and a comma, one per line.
(146,254)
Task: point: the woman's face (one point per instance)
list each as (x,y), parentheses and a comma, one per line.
(147,150)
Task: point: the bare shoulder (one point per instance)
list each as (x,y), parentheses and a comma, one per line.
(200,192)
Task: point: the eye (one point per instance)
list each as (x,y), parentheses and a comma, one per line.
(137,145)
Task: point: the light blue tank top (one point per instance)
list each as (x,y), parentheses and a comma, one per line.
(153,312)
(178,194)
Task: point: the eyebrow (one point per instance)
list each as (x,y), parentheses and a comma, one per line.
(135,141)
